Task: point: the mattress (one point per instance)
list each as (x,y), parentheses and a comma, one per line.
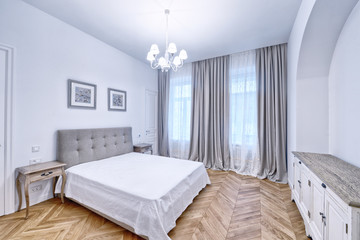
(146,192)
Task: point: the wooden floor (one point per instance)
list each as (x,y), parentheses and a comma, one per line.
(232,207)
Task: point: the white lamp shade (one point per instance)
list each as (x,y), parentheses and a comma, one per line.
(183,55)
(172,48)
(177,61)
(162,61)
(150,57)
(154,49)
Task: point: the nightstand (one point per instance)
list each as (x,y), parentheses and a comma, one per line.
(143,148)
(39,172)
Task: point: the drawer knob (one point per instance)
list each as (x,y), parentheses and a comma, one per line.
(323,185)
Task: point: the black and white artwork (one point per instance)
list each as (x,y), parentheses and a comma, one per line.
(116,100)
(81,95)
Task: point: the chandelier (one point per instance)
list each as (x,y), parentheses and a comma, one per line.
(169,60)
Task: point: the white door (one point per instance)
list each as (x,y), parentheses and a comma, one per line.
(3,68)
(306,198)
(336,224)
(151,134)
(291,164)
(297,181)
(318,210)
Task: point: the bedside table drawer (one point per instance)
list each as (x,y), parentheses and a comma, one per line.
(146,149)
(43,175)
(143,148)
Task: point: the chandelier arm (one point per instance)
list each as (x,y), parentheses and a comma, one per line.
(171,57)
(174,67)
(154,66)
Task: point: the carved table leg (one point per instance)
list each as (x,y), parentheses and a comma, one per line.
(18,186)
(26,188)
(54,185)
(63,184)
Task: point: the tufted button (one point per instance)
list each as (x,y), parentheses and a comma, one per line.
(115,143)
(78,149)
(92,138)
(105,145)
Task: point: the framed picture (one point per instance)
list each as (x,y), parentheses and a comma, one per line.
(81,95)
(116,100)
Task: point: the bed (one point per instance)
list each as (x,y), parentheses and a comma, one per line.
(142,193)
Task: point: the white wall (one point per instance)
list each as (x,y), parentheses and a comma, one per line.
(312,115)
(344,93)
(48,52)
(294,46)
(321,33)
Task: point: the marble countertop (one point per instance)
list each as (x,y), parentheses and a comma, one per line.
(341,177)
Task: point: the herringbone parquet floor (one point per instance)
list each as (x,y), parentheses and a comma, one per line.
(232,207)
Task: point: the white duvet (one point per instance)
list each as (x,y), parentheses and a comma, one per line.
(146,192)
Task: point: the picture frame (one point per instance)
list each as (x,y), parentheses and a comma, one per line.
(81,95)
(116,100)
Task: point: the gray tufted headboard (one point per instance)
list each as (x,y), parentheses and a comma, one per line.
(85,145)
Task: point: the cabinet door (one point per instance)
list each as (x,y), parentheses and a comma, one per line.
(297,181)
(335,220)
(306,193)
(318,210)
(290,166)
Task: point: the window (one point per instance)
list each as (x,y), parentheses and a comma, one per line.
(243,104)
(180,108)
(180,112)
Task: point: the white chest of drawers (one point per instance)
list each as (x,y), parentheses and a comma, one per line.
(327,193)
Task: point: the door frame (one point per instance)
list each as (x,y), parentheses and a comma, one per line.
(9,197)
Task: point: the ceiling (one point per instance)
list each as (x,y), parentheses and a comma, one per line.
(204,28)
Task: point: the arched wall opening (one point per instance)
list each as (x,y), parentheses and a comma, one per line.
(312,49)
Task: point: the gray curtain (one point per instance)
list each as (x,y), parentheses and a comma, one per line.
(163,110)
(209,140)
(271,89)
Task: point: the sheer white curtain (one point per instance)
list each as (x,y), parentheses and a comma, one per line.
(244,150)
(180,112)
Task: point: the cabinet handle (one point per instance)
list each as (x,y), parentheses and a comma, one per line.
(323,185)
(323,218)
(299,162)
(346,228)
(46,174)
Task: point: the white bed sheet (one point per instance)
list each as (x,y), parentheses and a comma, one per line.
(146,192)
